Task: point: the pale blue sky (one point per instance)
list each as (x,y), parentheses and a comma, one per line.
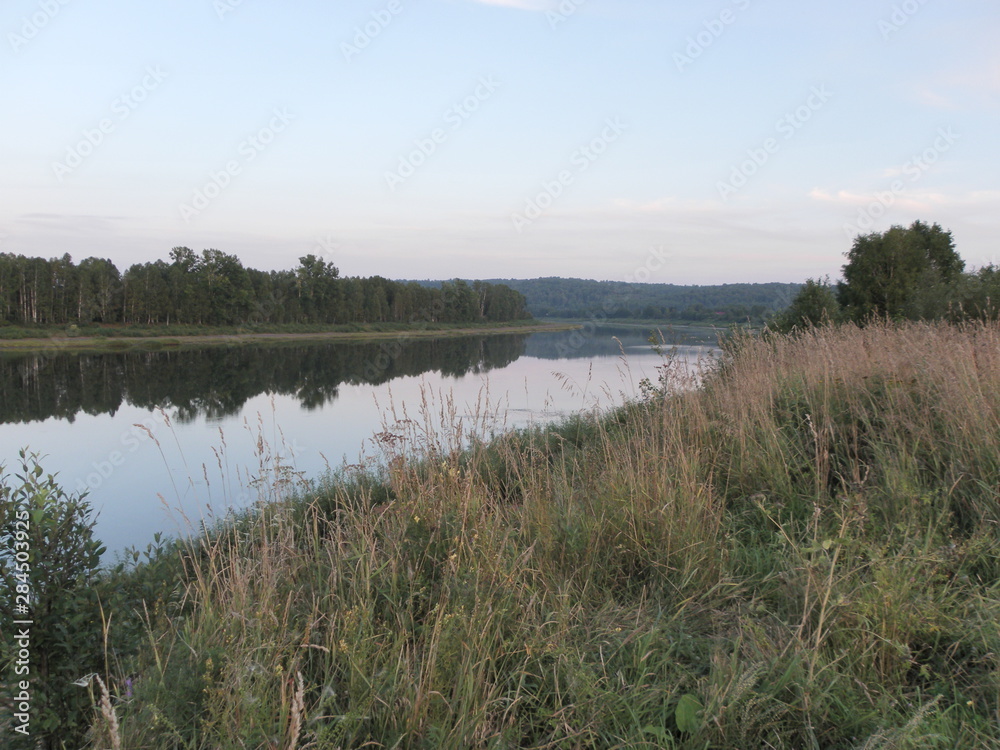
(511,100)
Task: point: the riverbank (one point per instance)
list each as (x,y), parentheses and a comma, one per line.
(112,339)
(802,553)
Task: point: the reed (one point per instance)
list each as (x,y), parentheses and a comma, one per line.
(802,552)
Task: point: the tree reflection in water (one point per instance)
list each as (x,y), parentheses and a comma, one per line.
(218,381)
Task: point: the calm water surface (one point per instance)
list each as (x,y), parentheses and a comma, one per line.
(163,439)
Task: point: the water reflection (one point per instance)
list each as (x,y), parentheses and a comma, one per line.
(612,341)
(217,382)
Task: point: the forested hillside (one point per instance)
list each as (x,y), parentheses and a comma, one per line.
(214,288)
(584,298)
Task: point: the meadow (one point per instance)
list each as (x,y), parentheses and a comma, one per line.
(800,552)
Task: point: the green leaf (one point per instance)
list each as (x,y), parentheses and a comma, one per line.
(659,732)
(687,713)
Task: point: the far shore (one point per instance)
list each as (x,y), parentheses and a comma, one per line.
(119,343)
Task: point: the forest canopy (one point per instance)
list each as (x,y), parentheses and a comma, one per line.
(214,288)
(621,300)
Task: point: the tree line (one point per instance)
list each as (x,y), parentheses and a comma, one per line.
(619,300)
(215,288)
(903,273)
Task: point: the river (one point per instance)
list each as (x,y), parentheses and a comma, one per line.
(163,439)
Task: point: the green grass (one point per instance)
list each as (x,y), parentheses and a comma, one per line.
(802,553)
(13,333)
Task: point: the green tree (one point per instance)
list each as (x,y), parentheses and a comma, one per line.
(51,559)
(885,269)
(968,296)
(461,303)
(814,305)
(376,299)
(147,294)
(99,297)
(314,283)
(225,287)
(64,280)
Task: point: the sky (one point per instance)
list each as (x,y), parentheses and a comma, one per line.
(651,140)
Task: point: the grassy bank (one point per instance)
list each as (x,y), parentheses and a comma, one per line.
(110,338)
(803,553)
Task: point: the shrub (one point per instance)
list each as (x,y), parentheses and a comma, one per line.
(57,572)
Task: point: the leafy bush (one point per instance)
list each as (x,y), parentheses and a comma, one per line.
(55,530)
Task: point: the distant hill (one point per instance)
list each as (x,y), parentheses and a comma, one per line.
(556,297)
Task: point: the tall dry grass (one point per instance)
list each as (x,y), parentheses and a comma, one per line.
(801,553)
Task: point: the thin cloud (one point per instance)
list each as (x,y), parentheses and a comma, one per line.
(535,5)
(58,222)
(669,204)
(970,86)
(910,200)
(914,202)
(934,100)
(983,79)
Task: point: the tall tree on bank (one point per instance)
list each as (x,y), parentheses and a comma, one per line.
(886,269)
(316,290)
(214,288)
